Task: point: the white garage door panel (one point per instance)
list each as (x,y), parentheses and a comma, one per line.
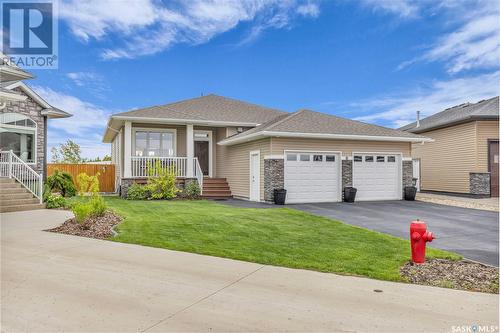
(312,181)
(377,180)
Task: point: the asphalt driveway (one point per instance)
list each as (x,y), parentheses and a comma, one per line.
(60,283)
(471,232)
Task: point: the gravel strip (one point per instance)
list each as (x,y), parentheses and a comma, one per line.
(448,201)
(460,274)
(99,227)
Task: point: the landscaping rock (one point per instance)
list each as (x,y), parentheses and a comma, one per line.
(456,274)
(99,227)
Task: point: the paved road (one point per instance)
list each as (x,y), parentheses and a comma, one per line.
(53,282)
(471,232)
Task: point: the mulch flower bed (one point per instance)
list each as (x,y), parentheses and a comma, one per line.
(94,227)
(459,274)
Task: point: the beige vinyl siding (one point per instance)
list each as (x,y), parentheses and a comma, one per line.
(234,164)
(485,130)
(445,164)
(347,147)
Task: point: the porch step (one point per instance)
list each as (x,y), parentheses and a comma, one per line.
(19,208)
(216,188)
(15,198)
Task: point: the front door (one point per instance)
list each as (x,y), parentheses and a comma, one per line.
(493,167)
(201,152)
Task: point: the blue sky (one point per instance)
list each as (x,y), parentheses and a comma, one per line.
(377,61)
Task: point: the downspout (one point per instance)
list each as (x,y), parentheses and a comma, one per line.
(44,169)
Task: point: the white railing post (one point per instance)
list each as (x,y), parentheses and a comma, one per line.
(40,187)
(10,163)
(190,150)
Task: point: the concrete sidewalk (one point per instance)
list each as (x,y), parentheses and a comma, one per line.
(53,282)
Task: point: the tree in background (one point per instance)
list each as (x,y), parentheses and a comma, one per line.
(68,152)
(106,158)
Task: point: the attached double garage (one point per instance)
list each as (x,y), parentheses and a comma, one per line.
(319,176)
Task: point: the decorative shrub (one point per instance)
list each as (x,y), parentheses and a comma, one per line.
(55,201)
(137,192)
(82,211)
(98,205)
(61,182)
(92,206)
(161,182)
(191,190)
(87,184)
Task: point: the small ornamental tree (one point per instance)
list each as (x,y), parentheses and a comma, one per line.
(161,182)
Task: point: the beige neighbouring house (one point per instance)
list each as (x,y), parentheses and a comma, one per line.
(239,149)
(463,158)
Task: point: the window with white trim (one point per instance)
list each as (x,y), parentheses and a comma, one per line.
(18,133)
(154,143)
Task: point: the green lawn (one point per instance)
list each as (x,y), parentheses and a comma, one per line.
(280,236)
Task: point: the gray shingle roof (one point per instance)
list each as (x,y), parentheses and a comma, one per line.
(485,109)
(208,108)
(316,123)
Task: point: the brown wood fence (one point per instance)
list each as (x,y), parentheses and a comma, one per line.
(106,173)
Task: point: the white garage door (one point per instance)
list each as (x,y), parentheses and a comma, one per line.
(377,176)
(312,177)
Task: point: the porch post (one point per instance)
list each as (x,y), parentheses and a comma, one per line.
(189,150)
(127,150)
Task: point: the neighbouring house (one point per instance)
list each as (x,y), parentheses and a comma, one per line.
(23,131)
(234,148)
(463,158)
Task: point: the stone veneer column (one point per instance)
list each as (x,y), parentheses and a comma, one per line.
(407,173)
(479,183)
(274,177)
(346,173)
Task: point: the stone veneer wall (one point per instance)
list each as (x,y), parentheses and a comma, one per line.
(274,177)
(407,173)
(31,109)
(479,183)
(346,174)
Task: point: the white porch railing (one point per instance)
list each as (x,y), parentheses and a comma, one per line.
(12,166)
(139,167)
(198,174)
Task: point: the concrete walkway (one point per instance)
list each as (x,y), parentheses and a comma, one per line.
(53,282)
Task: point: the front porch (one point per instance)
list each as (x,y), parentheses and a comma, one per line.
(187,149)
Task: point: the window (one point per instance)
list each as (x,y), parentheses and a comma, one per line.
(358,158)
(291,157)
(305,158)
(318,158)
(330,158)
(18,133)
(368,158)
(154,143)
(380,158)
(391,159)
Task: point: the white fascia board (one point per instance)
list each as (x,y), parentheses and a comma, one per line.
(321,136)
(16,72)
(186,121)
(55,113)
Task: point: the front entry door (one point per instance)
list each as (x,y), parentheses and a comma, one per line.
(201,152)
(493,167)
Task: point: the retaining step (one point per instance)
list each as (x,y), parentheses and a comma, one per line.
(9,185)
(16,190)
(15,202)
(24,195)
(6,180)
(207,193)
(20,208)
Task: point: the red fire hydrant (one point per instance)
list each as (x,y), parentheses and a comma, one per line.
(419,236)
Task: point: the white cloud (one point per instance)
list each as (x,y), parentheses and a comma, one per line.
(83,78)
(85,127)
(148,27)
(474,45)
(308,9)
(398,110)
(401,8)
